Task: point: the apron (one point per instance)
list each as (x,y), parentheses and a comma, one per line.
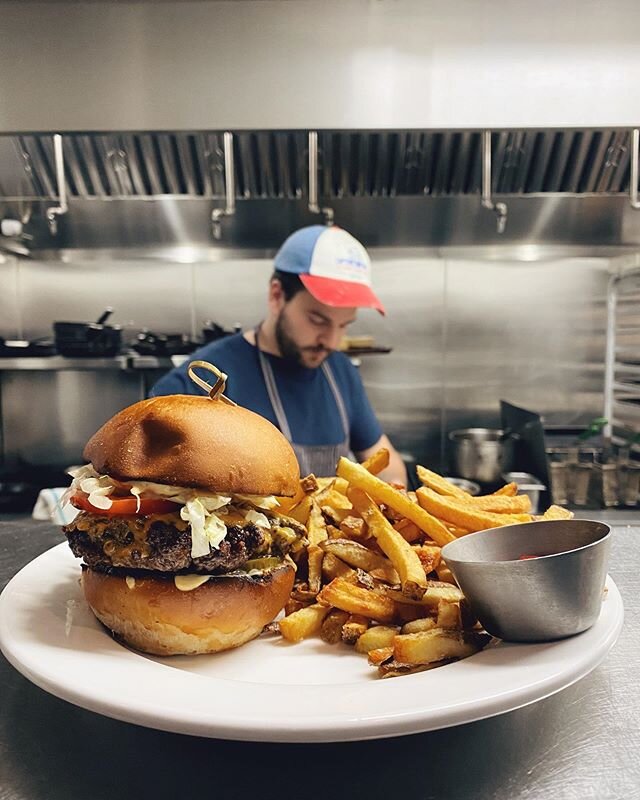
(321,460)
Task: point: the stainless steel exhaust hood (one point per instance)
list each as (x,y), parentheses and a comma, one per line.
(406,187)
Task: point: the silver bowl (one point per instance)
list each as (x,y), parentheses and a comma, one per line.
(555,595)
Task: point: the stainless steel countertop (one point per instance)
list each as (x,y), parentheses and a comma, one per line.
(579,744)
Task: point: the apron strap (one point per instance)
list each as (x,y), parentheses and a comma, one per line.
(272,390)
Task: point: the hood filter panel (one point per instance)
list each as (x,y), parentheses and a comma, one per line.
(273,164)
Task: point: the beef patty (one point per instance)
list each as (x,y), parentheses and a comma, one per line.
(164,543)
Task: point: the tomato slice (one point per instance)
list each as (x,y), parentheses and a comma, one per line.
(126,506)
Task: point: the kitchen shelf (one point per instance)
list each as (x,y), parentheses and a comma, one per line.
(60,363)
(127,361)
(366,351)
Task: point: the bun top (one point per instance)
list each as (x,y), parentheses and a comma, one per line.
(186,440)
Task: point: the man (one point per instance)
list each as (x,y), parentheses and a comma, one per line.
(289,369)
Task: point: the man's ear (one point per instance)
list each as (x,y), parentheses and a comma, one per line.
(276,296)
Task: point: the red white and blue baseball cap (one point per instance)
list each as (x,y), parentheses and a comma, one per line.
(332,265)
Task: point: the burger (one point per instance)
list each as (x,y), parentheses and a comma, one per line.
(183,548)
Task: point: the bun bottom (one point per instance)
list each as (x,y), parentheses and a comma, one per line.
(152,615)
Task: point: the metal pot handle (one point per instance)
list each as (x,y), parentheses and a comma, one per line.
(104,316)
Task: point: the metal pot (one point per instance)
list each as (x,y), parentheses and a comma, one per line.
(90,339)
(482,454)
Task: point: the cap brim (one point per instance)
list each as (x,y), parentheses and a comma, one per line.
(342,294)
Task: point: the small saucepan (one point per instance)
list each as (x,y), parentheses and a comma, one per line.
(482,454)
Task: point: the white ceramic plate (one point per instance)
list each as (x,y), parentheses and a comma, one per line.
(269,690)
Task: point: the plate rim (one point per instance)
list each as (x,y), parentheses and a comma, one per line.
(287,729)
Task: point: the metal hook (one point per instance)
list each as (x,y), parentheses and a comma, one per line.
(229,188)
(500,209)
(633,180)
(215,391)
(314,207)
(54,212)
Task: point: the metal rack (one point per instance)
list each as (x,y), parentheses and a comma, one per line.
(622,382)
(622,364)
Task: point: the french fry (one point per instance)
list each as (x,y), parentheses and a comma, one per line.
(302,594)
(342,594)
(340,485)
(333,567)
(356,555)
(292,605)
(400,553)
(444,574)
(315,557)
(364,579)
(557,512)
(393,668)
(303,623)
(462,514)
(334,505)
(377,462)
(353,527)
(285,504)
(435,592)
(336,500)
(309,484)
(381,492)
(375,637)
(316,526)
(353,628)
(436,645)
(499,504)
(509,489)
(380,655)
(409,611)
(306,486)
(456,531)
(439,484)
(429,555)
(449,616)
(334,515)
(301,511)
(409,531)
(331,629)
(418,625)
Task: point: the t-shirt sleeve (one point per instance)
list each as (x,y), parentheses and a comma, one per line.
(365,428)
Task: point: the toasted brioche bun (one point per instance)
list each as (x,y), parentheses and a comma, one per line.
(185,440)
(157,618)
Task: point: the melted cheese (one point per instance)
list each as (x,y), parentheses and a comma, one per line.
(187,583)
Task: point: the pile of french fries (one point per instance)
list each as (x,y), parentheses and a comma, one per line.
(372,575)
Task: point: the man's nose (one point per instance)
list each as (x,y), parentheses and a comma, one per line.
(331,338)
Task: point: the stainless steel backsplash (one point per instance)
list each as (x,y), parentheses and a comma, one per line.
(465,333)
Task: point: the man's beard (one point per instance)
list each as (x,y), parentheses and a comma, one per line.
(288,347)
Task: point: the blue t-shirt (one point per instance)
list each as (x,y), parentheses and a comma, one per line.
(309,404)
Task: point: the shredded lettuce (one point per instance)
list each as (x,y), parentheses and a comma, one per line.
(268,502)
(258,519)
(208,528)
